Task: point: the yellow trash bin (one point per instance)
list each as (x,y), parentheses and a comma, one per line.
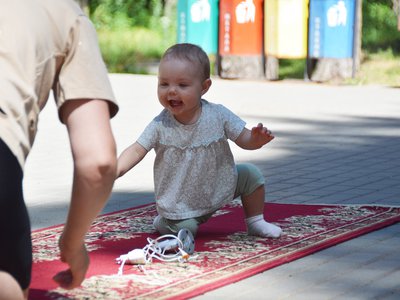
(285,28)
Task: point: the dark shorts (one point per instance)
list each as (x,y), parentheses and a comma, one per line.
(15,231)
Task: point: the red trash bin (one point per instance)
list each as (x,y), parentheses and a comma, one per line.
(241,38)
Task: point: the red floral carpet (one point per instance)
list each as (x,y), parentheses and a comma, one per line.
(225,253)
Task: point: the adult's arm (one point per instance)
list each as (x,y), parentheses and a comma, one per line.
(94,155)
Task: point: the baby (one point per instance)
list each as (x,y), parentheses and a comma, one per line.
(194,170)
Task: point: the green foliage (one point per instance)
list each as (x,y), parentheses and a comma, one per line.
(132,32)
(379,26)
(123,49)
(292,68)
(115,14)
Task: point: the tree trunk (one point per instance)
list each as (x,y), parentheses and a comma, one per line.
(398,22)
(84,4)
(396,8)
(271,68)
(241,66)
(169,8)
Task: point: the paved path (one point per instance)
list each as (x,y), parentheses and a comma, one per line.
(334,145)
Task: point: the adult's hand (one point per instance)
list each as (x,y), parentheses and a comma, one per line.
(78,262)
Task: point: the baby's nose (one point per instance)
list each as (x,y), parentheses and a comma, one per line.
(172,90)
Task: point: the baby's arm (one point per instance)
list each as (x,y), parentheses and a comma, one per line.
(130,157)
(254,138)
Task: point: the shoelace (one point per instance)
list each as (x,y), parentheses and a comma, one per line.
(154,250)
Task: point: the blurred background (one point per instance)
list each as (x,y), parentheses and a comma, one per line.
(133,34)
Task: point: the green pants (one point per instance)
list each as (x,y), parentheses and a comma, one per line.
(249,179)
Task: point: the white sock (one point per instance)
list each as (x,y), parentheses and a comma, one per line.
(258,226)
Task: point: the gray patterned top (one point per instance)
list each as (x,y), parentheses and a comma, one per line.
(194,169)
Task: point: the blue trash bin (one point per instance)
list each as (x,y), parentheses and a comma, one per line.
(331,28)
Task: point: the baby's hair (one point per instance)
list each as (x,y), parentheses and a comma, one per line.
(192,53)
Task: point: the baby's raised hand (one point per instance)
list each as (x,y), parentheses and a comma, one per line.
(260,135)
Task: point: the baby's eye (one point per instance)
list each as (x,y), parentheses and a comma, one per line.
(163,84)
(183,85)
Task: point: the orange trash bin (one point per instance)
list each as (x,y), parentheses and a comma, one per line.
(241,38)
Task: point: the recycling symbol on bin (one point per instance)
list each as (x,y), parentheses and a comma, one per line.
(245,12)
(337,14)
(200,11)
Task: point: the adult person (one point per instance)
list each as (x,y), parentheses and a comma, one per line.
(51,45)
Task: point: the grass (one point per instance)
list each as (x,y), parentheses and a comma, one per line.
(381,68)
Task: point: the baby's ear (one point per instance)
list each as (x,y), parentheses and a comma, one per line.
(206,85)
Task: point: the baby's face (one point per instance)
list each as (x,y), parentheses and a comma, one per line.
(180,88)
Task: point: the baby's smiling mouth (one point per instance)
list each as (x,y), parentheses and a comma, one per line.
(175,103)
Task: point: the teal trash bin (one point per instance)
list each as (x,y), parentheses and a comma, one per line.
(331,28)
(198,24)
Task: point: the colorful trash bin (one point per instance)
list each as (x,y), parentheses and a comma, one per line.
(241,39)
(331,28)
(198,24)
(286,28)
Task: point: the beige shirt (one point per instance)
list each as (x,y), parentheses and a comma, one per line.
(45,45)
